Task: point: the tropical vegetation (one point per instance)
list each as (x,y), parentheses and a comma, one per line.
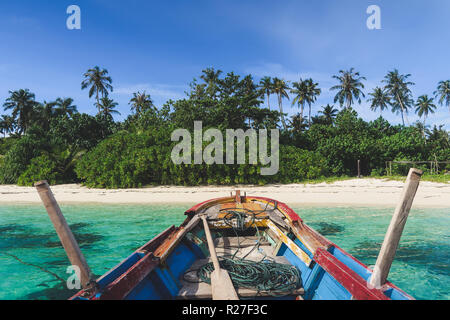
(52,140)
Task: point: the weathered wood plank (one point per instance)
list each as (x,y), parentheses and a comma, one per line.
(64,233)
(395,230)
(289,243)
(222,287)
(122,286)
(241,242)
(203,290)
(165,249)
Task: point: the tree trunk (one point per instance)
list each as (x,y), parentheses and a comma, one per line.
(301,112)
(403,110)
(268,100)
(309,115)
(423,130)
(98,102)
(280,103)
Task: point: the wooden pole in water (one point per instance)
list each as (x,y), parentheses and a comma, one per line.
(394,232)
(64,233)
(222,286)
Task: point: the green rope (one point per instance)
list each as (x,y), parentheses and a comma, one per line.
(271,277)
(265,276)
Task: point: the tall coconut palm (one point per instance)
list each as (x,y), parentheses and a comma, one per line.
(349,87)
(280,88)
(380,99)
(106,107)
(99,82)
(22,103)
(313,92)
(397,87)
(329,113)
(65,107)
(266,86)
(141,102)
(424,106)
(300,89)
(443,93)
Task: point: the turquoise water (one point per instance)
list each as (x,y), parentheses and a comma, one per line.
(109,233)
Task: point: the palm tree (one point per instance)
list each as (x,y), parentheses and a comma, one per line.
(439,136)
(107,106)
(65,107)
(380,99)
(10,124)
(210,75)
(397,87)
(46,109)
(423,129)
(443,93)
(298,124)
(300,89)
(424,106)
(280,87)
(141,102)
(211,78)
(22,103)
(266,86)
(3,128)
(328,113)
(99,81)
(349,87)
(312,92)
(6,125)
(43,113)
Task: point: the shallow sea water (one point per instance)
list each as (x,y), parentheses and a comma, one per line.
(109,233)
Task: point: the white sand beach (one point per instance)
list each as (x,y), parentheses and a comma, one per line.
(356,192)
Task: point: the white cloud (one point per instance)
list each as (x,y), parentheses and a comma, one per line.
(162,91)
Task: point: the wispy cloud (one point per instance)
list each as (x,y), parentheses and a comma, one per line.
(278,70)
(162,91)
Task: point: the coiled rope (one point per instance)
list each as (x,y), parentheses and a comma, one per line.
(266,275)
(271,277)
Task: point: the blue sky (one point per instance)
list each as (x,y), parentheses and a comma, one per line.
(160,46)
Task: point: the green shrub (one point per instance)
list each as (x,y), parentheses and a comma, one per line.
(40,168)
(122,161)
(128,160)
(19,157)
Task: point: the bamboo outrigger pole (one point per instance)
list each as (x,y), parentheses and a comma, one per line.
(394,232)
(64,233)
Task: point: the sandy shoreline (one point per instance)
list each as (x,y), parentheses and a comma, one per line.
(357,192)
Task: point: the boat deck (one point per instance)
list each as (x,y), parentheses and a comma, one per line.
(226,247)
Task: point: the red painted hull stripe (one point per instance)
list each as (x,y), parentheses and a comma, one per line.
(349,279)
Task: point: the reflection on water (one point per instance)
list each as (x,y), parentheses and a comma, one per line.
(108,234)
